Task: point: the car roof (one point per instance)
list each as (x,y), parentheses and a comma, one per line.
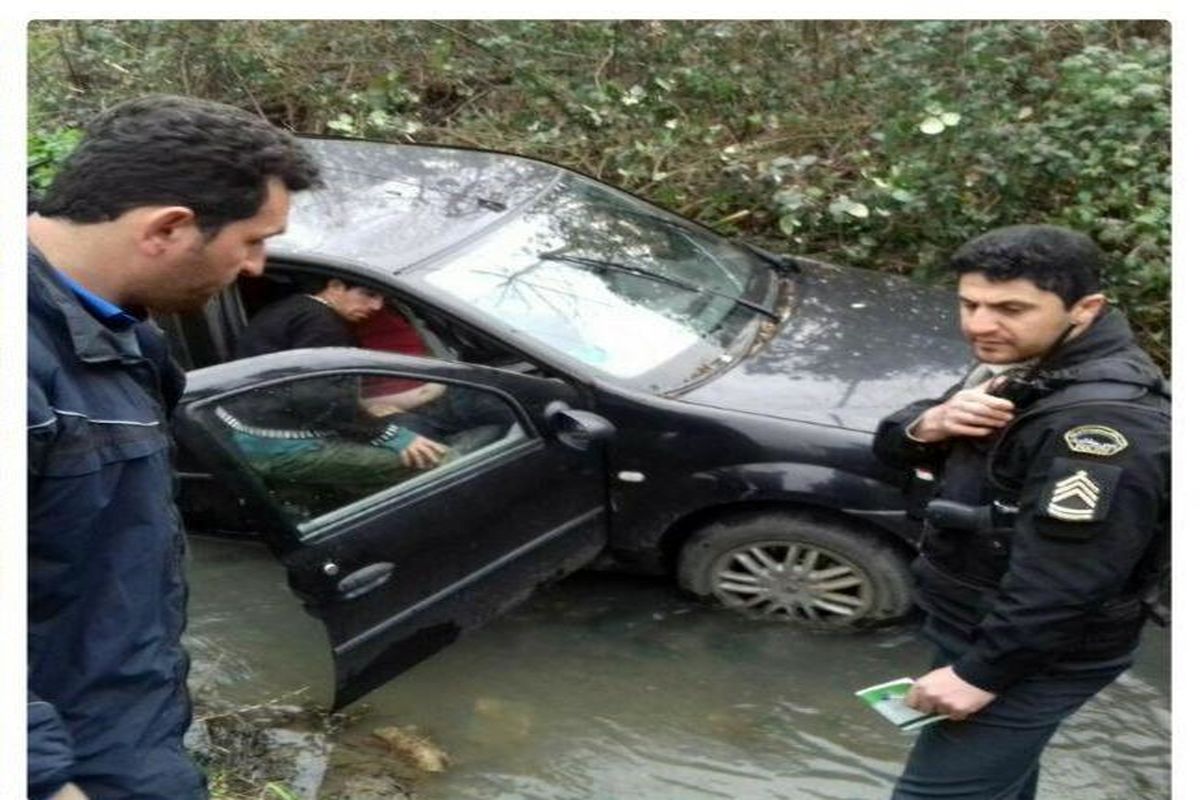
(391,206)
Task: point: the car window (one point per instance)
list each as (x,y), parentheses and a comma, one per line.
(324,444)
(607,280)
(397,327)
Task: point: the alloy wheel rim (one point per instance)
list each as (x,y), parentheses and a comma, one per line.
(792,581)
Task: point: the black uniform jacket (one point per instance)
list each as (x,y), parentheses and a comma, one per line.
(1079,486)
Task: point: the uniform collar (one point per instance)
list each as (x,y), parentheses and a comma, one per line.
(1106,351)
(1107,335)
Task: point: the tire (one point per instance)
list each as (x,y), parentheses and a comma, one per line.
(820,574)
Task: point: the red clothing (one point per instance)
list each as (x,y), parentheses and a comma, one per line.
(388,330)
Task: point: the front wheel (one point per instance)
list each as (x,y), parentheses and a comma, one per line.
(819,574)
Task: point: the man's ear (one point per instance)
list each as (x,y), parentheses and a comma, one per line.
(1086,309)
(162,228)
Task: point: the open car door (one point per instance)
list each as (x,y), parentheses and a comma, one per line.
(399,560)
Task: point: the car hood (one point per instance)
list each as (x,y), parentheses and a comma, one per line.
(857,345)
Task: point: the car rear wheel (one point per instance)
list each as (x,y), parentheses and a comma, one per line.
(817,573)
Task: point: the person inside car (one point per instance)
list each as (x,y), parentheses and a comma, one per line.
(322,431)
(390,330)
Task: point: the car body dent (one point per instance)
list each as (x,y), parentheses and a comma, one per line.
(749,459)
(810,486)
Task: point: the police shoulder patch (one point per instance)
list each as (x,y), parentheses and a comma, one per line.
(1076,492)
(1095,440)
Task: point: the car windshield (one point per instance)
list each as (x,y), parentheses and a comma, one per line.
(612,282)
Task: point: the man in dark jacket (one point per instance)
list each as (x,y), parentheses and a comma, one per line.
(1049,473)
(164,202)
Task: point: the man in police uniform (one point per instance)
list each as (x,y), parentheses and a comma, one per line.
(1049,469)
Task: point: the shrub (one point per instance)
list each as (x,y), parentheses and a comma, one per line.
(877,144)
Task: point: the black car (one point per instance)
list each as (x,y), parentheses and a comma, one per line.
(619,387)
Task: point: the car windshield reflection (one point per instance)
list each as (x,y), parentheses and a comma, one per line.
(610,282)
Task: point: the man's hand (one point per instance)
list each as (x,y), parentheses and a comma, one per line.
(423,453)
(69,791)
(943,692)
(971,412)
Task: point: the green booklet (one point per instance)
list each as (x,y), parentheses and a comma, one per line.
(888,700)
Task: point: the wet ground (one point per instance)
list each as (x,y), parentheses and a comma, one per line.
(609,687)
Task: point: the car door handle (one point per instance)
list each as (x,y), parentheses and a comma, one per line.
(577,429)
(364,580)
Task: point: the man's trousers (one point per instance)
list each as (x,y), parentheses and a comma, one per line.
(994,754)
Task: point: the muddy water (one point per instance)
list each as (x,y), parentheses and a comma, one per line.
(605,687)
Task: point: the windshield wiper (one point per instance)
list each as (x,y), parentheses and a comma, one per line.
(787,265)
(782,264)
(628,269)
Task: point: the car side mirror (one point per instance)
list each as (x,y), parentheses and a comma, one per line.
(577,429)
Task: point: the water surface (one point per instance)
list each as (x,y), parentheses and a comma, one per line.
(610,687)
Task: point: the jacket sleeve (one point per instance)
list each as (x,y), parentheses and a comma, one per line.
(894,447)
(1084,523)
(50,750)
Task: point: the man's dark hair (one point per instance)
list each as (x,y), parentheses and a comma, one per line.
(315,284)
(169,150)
(1054,259)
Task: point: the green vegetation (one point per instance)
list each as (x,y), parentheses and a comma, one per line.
(876,144)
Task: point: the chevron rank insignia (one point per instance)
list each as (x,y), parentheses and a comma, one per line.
(1074,498)
(1076,491)
(1095,440)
